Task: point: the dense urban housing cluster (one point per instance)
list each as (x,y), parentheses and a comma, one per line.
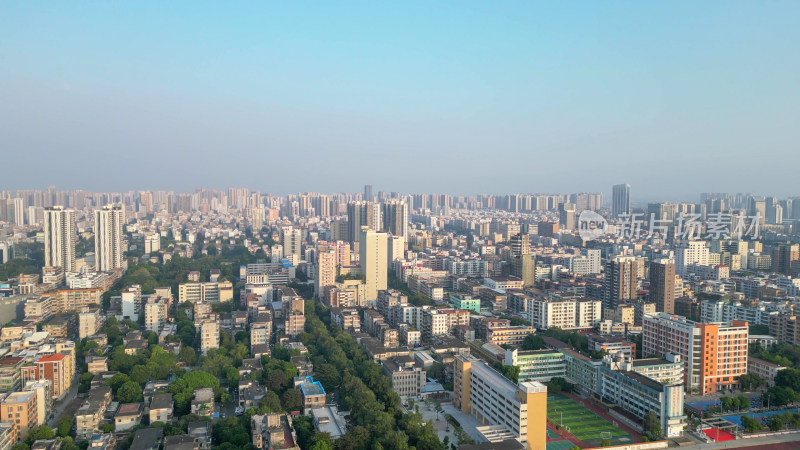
(238,319)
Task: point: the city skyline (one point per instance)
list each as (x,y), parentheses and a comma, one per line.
(550,97)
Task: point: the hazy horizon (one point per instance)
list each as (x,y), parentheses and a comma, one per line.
(674,98)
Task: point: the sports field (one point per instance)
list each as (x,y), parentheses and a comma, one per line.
(583,423)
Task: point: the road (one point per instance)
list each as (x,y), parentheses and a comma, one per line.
(70,403)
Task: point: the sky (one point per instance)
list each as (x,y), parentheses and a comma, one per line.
(672,97)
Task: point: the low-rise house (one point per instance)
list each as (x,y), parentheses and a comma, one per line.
(272,431)
(161,408)
(147,439)
(328,420)
(765,369)
(133,347)
(154,387)
(250,394)
(203,403)
(303,365)
(183,442)
(313,393)
(202,431)
(90,415)
(408,378)
(105,441)
(46,444)
(128,416)
(97,364)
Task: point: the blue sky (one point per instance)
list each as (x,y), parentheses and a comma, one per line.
(462,97)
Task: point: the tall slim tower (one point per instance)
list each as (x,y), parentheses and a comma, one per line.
(326,270)
(16,211)
(59,238)
(373,259)
(662,285)
(620,281)
(395,218)
(368,193)
(621,200)
(108,223)
(362,214)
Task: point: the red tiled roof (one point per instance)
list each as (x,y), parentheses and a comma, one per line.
(51,358)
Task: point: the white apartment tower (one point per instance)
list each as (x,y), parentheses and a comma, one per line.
(292,242)
(108,222)
(688,253)
(59,238)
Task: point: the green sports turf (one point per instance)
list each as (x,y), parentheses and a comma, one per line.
(559,445)
(583,423)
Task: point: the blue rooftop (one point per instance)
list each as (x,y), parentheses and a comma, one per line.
(311,387)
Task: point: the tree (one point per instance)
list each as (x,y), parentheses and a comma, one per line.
(187,355)
(291,400)
(140,374)
(321,441)
(788,378)
(356,438)
(751,382)
(776,422)
(271,402)
(117,380)
(652,425)
(212,250)
(741,402)
(232,376)
(750,425)
(130,392)
(40,432)
(533,342)
(511,372)
(327,375)
(65,426)
(778,396)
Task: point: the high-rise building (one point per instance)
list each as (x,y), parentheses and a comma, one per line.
(326,270)
(6,251)
(108,222)
(520,244)
(209,335)
(395,218)
(368,192)
(688,253)
(786,259)
(362,214)
(292,243)
(567,216)
(89,323)
(487,395)
(662,285)
(396,249)
(59,238)
(373,260)
(785,327)
(15,211)
(621,200)
(620,281)
(757,206)
(714,354)
(20,408)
